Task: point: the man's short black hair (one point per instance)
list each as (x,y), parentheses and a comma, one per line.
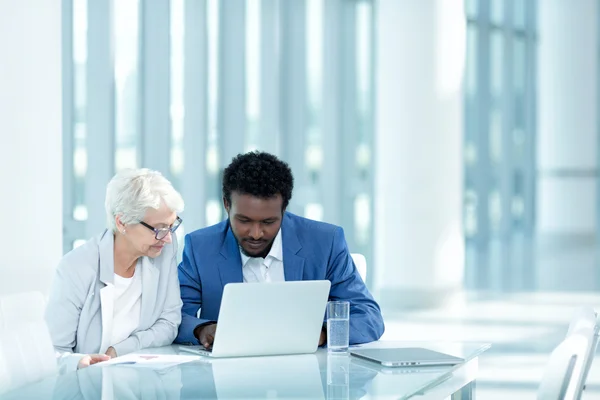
(258,174)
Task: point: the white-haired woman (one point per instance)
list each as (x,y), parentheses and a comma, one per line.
(119,292)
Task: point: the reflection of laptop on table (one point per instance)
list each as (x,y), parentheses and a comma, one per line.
(295,376)
(406,357)
(257,319)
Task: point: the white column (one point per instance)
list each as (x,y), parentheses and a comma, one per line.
(419,247)
(567,117)
(30,143)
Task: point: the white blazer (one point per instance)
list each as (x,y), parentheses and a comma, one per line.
(80,308)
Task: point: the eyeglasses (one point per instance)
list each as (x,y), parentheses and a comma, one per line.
(161,233)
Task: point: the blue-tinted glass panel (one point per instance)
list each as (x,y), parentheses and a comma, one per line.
(519,8)
(314,72)
(80,17)
(471,8)
(177,111)
(253,54)
(496,63)
(497,11)
(126,15)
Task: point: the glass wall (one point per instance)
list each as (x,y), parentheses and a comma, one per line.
(182,86)
(499,124)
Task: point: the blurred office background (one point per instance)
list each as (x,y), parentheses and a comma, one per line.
(455,141)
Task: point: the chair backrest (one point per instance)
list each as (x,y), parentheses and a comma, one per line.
(566,362)
(21,308)
(584,322)
(361,265)
(26,355)
(26,350)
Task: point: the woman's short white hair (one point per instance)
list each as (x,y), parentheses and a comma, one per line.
(131,192)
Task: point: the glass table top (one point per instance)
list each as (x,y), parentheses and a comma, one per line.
(307,376)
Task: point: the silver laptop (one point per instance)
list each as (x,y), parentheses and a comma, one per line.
(406,357)
(259,319)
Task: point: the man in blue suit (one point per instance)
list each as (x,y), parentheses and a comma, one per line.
(261,242)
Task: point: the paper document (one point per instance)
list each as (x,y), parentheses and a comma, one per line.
(155,361)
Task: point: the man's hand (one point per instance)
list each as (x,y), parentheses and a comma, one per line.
(92,359)
(323,337)
(206,335)
(111,352)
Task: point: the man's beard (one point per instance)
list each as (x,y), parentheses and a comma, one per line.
(262,254)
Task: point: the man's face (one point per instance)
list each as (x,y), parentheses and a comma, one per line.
(254,222)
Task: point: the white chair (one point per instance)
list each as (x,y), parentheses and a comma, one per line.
(361,265)
(584,322)
(21,308)
(584,317)
(26,350)
(26,355)
(566,362)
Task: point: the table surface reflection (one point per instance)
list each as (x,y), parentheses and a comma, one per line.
(306,376)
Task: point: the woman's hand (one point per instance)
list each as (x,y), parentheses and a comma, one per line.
(111,352)
(92,359)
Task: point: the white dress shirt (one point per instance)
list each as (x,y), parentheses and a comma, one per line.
(127,305)
(269,269)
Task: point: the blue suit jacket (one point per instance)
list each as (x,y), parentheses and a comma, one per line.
(311,251)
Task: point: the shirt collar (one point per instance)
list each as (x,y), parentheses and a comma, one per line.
(276,251)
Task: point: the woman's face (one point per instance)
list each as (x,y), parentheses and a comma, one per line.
(143,239)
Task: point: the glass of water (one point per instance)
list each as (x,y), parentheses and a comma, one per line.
(338,376)
(338,326)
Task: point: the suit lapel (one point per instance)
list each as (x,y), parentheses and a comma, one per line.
(230,266)
(150,277)
(107,269)
(293,264)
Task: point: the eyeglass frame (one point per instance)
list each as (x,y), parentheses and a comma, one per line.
(157,231)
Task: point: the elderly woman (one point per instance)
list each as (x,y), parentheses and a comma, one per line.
(119,292)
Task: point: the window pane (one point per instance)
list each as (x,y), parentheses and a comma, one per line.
(470,220)
(495,209)
(471,8)
(519,73)
(313,157)
(364,73)
(177,76)
(362,219)
(213,212)
(470,120)
(519,66)
(126,44)
(496,63)
(519,14)
(519,151)
(314,67)
(253,24)
(213,206)
(497,12)
(213,68)
(470,154)
(364,55)
(496,136)
(471,62)
(79,124)
(314,211)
